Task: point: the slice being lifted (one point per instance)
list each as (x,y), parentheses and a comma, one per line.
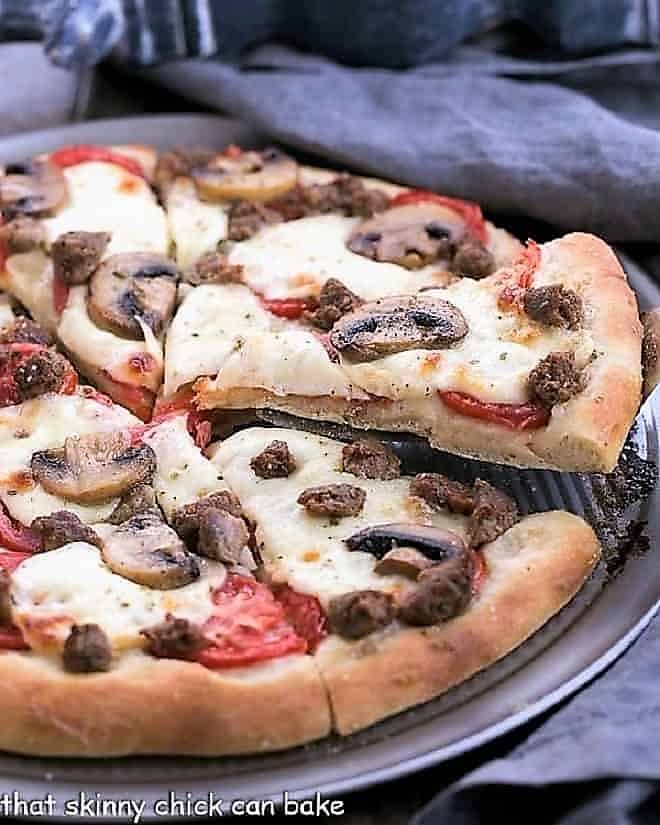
(353,300)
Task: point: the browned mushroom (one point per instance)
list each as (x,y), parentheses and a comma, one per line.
(251,176)
(22,234)
(132,286)
(136,500)
(93,468)
(412,236)
(35,188)
(402,561)
(433,542)
(147,551)
(391,325)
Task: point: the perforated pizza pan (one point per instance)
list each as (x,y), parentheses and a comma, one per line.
(570,650)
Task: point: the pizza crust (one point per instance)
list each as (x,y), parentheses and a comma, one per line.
(534,569)
(159,706)
(150,706)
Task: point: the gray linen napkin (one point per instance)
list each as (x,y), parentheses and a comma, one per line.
(466,127)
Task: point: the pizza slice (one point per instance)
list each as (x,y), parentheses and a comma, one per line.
(341,299)
(424,580)
(84,248)
(156,599)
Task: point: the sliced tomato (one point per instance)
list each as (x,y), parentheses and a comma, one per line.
(11,638)
(16,536)
(479,572)
(10,559)
(248,625)
(527,416)
(84,153)
(232,151)
(291,308)
(528,262)
(139,400)
(305,615)
(468,210)
(60,294)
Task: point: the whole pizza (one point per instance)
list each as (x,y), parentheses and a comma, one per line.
(178,579)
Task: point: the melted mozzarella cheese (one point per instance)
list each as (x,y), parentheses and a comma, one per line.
(72,585)
(183,473)
(492,362)
(43,424)
(308,551)
(295,258)
(95,348)
(196,227)
(106,198)
(225,330)
(6,313)
(28,276)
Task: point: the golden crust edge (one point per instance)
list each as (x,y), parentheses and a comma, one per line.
(151,706)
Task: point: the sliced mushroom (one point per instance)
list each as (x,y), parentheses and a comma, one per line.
(22,234)
(222,536)
(34,188)
(93,468)
(443,591)
(134,501)
(147,551)
(250,176)
(402,561)
(412,236)
(433,542)
(396,324)
(133,285)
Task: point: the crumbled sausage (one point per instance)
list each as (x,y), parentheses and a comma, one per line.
(221,536)
(87,650)
(334,500)
(186,519)
(335,300)
(22,234)
(555,379)
(136,500)
(246,218)
(24,331)
(346,194)
(62,527)
(441,493)
(274,461)
(214,268)
(368,458)
(443,591)
(40,373)
(174,638)
(5,597)
(554,306)
(357,614)
(490,511)
(472,260)
(76,255)
(493,513)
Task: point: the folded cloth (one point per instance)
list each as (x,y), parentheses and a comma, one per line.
(559,774)
(479,126)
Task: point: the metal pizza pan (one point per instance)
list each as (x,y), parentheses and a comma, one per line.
(577,644)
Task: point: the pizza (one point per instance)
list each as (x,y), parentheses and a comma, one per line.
(176,579)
